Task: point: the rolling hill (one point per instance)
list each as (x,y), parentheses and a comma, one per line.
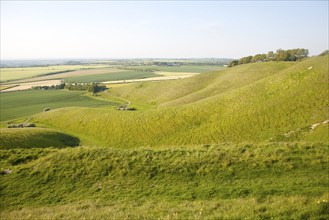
(35,138)
(291,98)
(248,142)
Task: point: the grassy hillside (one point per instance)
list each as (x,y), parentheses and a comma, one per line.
(24,103)
(201,86)
(12,138)
(241,181)
(280,107)
(248,142)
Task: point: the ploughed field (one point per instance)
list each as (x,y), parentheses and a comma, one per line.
(247,142)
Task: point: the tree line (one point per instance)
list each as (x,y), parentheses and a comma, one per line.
(280,55)
(90,87)
(52,87)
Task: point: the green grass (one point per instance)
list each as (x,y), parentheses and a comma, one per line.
(110,76)
(25,103)
(200,86)
(191,69)
(254,181)
(236,143)
(261,110)
(12,138)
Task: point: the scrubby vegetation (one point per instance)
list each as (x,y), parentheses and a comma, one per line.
(280,55)
(90,87)
(60,86)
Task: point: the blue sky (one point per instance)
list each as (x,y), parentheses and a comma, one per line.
(170,29)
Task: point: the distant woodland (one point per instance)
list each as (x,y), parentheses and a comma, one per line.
(280,55)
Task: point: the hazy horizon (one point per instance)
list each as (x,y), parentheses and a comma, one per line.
(154,30)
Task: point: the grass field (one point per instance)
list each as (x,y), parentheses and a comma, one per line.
(247,142)
(25,103)
(125,75)
(10,74)
(242,181)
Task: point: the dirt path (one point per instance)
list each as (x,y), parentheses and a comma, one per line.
(125,100)
(128,102)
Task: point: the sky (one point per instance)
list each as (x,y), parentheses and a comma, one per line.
(160,29)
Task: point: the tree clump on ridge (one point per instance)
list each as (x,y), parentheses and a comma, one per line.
(90,87)
(280,55)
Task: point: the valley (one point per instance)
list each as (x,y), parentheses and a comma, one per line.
(249,141)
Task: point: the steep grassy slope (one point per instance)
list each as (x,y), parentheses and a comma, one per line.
(279,107)
(264,181)
(199,87)
(34,137)
(178,161)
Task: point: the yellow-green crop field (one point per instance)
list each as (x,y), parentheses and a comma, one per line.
(10,74)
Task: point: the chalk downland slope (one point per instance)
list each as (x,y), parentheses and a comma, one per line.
(215,109)
(201,86)
(172,162)
(240,181)
(12,138)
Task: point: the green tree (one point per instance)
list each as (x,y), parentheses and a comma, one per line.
(233,63)
(245,60)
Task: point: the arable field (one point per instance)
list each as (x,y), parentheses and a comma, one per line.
(10,74)
(124,75)
(191,69)
(25,103)
(30,85)
(75,73)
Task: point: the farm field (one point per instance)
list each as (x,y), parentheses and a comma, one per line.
(30,85)
(10,74)
(124,75)
(94,73)
(191,69)
(246,142)
(75,73)
(25,103)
